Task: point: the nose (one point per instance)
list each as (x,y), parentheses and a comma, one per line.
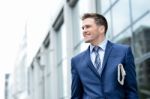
(84,30)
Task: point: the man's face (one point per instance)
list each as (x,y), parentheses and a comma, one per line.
(91,31)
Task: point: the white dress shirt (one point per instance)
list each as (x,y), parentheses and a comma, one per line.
(102,45)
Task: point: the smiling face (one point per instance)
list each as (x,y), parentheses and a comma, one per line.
(92,32)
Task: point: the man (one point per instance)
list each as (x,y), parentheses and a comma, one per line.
(105,70)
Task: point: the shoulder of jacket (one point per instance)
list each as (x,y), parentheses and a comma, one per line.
(120,46)
(79,55)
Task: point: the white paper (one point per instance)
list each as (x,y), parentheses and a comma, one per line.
(121,73)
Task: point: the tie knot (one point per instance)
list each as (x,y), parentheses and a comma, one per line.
(96,49)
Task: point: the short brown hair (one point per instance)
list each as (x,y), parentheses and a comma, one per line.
(99,19)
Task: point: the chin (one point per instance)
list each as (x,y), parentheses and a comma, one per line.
(87,41)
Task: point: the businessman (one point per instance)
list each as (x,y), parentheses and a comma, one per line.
(105,70)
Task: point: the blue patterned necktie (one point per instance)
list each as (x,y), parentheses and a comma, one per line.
(97,58)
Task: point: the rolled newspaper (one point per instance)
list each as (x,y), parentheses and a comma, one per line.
(121,74)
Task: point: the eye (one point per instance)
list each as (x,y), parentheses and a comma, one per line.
(85,27)
(82,27)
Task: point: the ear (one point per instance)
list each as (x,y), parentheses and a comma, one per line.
(102,29)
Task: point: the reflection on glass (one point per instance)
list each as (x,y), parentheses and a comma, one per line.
(141,40)
(124,38)
(143,74)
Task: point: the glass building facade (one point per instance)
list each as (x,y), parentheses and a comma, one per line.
(129,23)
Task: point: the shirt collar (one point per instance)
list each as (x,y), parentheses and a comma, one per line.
(102,45)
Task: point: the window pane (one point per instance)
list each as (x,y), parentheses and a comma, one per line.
(62,62)
(124,38)
(120,16)
(106,4)
(141,31)
(143,75)
(141,40)
(60,81)
(59,46)
(110,32)
(139,7)
(64,42)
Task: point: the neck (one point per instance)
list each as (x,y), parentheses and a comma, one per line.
(97,42)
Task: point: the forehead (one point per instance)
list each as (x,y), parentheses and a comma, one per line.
(88,21)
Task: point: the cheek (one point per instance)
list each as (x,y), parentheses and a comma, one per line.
(94,34)
(83,34)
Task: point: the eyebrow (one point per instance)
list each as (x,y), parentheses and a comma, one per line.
(85,26)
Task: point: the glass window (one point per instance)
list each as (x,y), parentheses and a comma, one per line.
(76,27)
(124,38)
(120,16)
(110,32)
(65,77)
(143,77)
(60,81)
(139,7)
(64,42)
(141,39)
(106,4)
(62,62)
(143,21)
(59,46)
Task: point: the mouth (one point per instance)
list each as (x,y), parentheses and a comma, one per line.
(86,34)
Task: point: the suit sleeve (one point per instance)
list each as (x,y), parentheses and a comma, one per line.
(76,85)
(130,80)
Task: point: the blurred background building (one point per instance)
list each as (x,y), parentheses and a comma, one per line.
(43,72)
(7,86)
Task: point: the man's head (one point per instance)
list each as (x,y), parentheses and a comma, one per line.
(94,28)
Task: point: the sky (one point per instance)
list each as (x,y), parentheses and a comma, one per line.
(14,14)
(12,19)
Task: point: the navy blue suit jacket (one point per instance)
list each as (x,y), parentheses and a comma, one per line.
(88,84)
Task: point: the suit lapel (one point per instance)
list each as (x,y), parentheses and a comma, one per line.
(89,62)
(106,55)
